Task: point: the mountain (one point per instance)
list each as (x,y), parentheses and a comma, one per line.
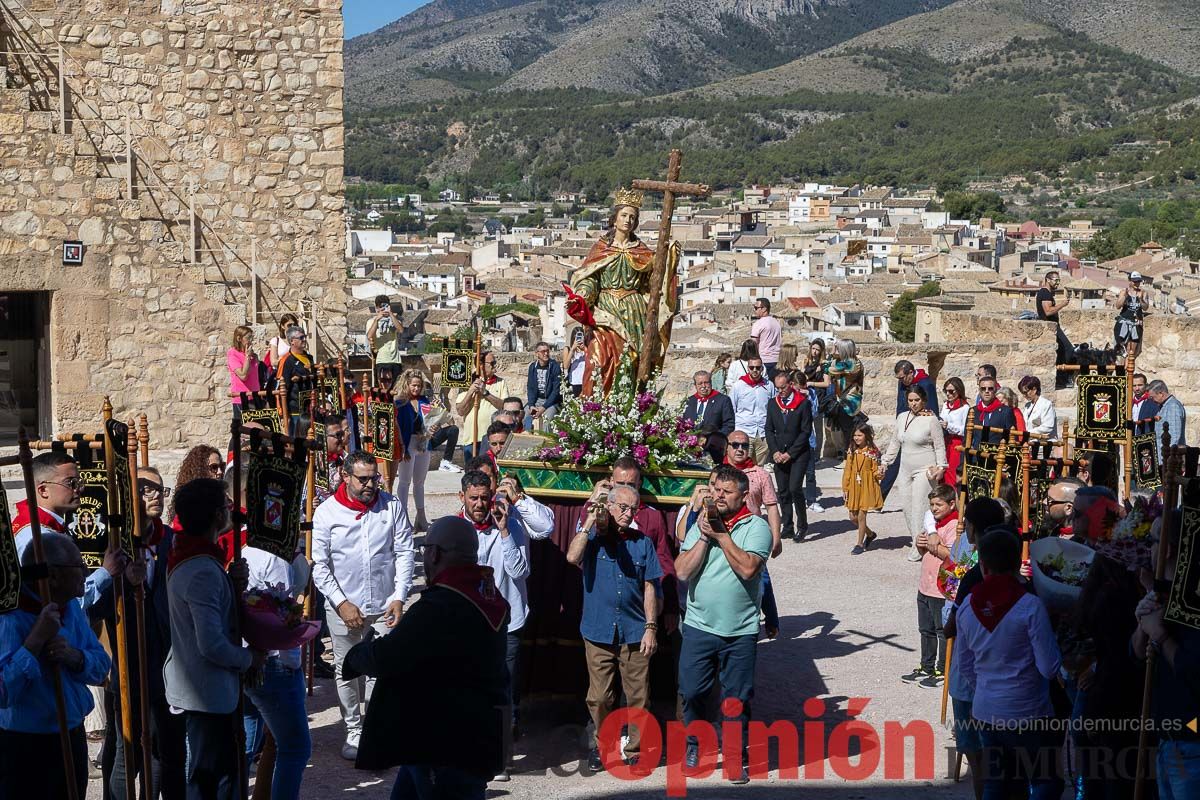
(629,46)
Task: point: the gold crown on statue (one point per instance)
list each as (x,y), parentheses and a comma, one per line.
(629,197)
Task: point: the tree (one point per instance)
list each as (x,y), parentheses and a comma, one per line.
(902,318)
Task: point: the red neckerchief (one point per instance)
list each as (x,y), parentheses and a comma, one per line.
(225,542)
(157,531)
(990,407)
(957,404)
(1140,398)
(951,517)
(1066,531)
(186,547)
(492,381)
(487,526)
(790,405)
(742,465)
(711,394)
(994,598)
(737,517)
(22,518)
(751,382)
(478,585)
(349,502)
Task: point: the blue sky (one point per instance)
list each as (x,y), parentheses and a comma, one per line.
(364,16)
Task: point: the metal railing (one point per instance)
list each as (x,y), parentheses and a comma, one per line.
(133,137)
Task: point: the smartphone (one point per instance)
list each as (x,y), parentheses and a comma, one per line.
(714,515)
(499,508)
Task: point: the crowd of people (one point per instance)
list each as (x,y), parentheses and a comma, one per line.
(700,588)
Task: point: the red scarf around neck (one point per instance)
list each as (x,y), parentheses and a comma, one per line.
(751,382)
(349,502)
(792,404)
(990,407)
(951,517)
(737,517)
(742,465)
(956,404)
(994,598)
(478,585)
(487,526)
(186,546)
(711,394)
(49,523)
(492,381)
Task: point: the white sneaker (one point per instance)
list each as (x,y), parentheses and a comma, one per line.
(502,777)
(914,556)
(448,466)
(816,506)
(350,751)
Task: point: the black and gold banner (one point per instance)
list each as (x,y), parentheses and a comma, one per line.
(458,363)
(274,492)
(267,417)
(1102,406)
(981,481)
(321,473)
(1145,461)
(10,561)
(121,515)
(382,416)
(1183,605)
(89,524)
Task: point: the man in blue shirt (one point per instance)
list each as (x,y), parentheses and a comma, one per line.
(543,387)
(620,605)
(33,640)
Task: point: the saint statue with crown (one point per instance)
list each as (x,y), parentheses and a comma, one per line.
(610,292)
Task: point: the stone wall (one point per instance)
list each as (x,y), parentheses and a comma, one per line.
(242,100)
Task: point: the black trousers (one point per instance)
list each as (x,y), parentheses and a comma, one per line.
(212,756)
(789,480)
(929,624)
(168,750)
(31,765)
(446,436)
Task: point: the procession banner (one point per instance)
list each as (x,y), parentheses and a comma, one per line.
(458,360)
(10,561)
(321,474)
(89,527)
(274,490)
(1183,605)
(267,417)
(1039,484)
(981,481)
(1102,407)
(382,419)
(330,398)
(122,515)
(1145,461)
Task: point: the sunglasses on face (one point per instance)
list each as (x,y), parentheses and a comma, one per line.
(216,468)
(739,445)
(754,369)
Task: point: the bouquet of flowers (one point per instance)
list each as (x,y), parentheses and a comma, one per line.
(1059,567)
(962,558)
(273,620)
(596,431)
(1130,540)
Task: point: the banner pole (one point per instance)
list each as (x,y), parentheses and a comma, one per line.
(310,652)
(143,437)
(39,557)
(239,733)
(1130,366)
(139,607)
(122,625)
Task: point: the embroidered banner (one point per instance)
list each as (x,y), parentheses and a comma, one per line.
(1102,407)
(274,491)
(1183,605)
(10,560)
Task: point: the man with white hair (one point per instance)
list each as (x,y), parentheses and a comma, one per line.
(620,606)
(1171,412)
(297,364)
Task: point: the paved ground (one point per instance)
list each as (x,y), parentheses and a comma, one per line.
(848,631)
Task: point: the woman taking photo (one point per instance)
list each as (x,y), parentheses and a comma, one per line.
(921,445)
(719,372)
(1040,416)
(954,425)
(1127,332)
(845,373)
(420,428)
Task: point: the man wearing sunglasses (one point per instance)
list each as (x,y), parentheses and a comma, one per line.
(56,483)
(620,606)
(991,412)
(1060,506)
(296,364)
(750,395)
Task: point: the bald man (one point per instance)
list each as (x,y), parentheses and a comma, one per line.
(443,663)
(1060,505)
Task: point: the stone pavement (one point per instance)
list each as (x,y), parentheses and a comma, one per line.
(848,631)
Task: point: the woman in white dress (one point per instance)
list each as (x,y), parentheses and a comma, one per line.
(1040,416)
(921,445)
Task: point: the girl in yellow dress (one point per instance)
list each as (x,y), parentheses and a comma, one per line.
(860,486)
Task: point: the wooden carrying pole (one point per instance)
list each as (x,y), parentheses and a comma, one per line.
(1025,532)
(124,704)
(132,448)
(239,732)
(962,506)
(475,408)
(143,438)
(310,485)
(1130,365)
(35,528)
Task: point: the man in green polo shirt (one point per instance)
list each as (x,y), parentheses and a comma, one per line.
(723,566)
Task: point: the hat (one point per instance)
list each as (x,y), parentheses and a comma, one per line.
(1135,276)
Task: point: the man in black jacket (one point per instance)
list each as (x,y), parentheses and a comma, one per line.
(166,729)
(789,430)
(991,412)
(706,407)
(441,667)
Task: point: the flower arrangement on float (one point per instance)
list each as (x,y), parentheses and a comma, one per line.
(595,431)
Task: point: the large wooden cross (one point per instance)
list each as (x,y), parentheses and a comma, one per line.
(670,188)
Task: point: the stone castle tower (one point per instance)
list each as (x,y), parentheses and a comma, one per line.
(195,150)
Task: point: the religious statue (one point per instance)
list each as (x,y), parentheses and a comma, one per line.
(611,294)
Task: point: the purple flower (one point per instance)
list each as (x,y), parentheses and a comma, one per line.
(646,401)
(690,441)
(610,440)
(591,407)
(682,425)
(641,453)
(579,452)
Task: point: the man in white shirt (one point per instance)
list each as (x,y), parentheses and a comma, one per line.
(504,548)
(767,334)
(536,518)
(363,558)
(750,395)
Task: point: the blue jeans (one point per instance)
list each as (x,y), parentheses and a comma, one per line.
(769,607)
(705,657)
(280,705)
(1016,761)
(1178,768)
(437,783)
